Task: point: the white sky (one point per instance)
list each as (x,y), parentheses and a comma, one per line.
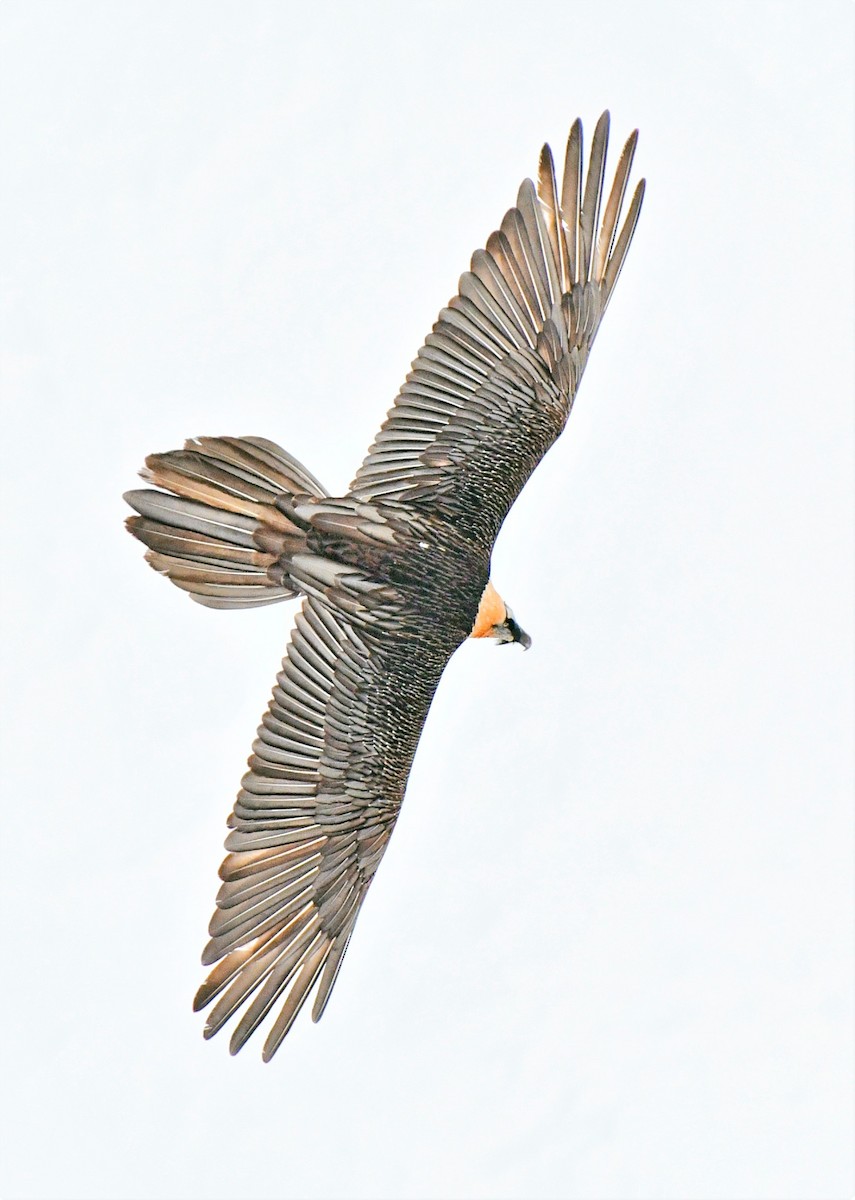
(610,951)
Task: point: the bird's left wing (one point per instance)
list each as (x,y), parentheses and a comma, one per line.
(310,824)
(492,386)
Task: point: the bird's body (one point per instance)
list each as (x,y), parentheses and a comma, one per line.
(395,575)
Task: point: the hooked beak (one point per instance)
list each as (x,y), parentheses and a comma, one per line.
(509,631)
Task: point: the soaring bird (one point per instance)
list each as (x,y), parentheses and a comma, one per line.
(394,575)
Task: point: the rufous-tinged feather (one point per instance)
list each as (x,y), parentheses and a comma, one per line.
(534,216)
(219,977)
(277,981)
(516,280)
(593,192)
(616,261)
(296,998)
(547,190)
(242,985)
(201,547)
(293,911)
(571,196)
(513,228)
(245,865)
(238,891)
(493,304)
(265,464)
(539,256)
(180,513)
(606,238)
(330,975)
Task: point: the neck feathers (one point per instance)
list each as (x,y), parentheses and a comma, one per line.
(491,612)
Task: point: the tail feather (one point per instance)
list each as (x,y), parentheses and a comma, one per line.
(185,542)
(215,531)
(219,587)
(262,459)
(174,513)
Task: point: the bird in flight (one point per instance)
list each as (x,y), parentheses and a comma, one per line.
(394,575)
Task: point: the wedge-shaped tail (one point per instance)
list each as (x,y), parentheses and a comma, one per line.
(214,529)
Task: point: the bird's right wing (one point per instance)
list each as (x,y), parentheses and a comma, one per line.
(492,386)
(310,824)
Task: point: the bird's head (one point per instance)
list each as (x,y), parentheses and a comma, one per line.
(495,620)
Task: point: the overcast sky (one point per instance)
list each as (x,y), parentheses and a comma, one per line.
(610,950)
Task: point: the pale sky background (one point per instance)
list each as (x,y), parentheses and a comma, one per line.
(610,951)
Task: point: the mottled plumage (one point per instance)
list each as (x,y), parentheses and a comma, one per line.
(394,575)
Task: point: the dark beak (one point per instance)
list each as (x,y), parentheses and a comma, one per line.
(518,634)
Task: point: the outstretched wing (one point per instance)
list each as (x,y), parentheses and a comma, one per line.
(311,822)
(493,385)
